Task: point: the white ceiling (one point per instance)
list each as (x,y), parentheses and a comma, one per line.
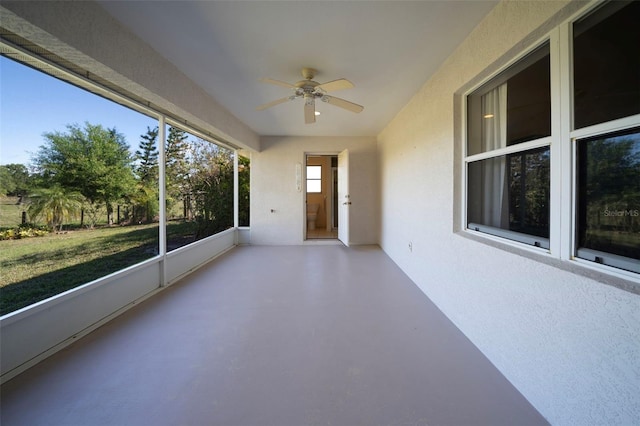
(388,49)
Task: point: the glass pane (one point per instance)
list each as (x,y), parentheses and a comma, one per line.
(529,103)
(606,64)
(314,172)
(514,107)
(314,185)
(609,193)
(78,202)
(511,192)
(199,182)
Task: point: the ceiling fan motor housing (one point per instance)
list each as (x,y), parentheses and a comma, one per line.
(309,73)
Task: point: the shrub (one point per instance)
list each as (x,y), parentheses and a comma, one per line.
(25,230)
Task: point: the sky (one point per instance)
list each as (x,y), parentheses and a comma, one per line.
(33,103)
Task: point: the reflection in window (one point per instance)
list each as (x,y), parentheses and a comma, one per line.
(529,192)
(609,193)
(512,108)
(510,193)
(508,143)
(607,64)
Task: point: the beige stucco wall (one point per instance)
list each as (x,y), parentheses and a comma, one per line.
(273,187)
(569,343)
(84,34)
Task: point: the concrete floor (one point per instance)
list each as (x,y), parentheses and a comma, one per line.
(304,335)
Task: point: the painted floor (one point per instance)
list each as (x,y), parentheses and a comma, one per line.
(297,335)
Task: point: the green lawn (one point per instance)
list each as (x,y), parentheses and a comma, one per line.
(10,212)
(11,215)
(34,269)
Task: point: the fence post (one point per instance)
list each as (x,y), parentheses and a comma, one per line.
(24,217)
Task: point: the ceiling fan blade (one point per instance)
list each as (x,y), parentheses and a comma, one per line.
(334,85)
(270,104)
(278,83)
(350,106)
(309,110)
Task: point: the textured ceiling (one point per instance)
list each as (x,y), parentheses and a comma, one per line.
(388,49)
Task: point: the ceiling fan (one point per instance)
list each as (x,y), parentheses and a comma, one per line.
(311,90)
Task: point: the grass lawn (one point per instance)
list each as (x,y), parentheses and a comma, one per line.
(10,212)
(33,269)
(11,215)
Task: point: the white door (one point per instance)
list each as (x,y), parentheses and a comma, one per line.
(344,199)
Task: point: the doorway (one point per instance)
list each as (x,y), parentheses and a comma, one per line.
(321,197)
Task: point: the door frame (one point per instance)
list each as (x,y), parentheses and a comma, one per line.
(344,198)
(329,225)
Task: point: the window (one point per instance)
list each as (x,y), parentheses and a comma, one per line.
(519,164)
(507,170)
(606,64)
(606,91)
(314,179)
(511,193)
(85,203)
(608,223)
(80,191)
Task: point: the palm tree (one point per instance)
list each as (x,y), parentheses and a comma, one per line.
(56,204)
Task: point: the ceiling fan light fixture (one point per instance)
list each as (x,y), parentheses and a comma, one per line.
(309,90)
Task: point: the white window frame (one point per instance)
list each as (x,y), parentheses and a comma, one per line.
(528,242)
(308,179)
(584,255)
(563,167)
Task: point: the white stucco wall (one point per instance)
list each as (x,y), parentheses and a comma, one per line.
(84,34)
(569,343)
(273,187)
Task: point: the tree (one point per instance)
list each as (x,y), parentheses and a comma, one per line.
(147,157)
(147,172)
(146,198)
(7,184)
(177,167)
(14,180)
(56,204)
(609,179)
(92,160)
(211,182)
(244,178)
(529,174)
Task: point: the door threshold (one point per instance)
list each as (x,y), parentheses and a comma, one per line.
(323,242)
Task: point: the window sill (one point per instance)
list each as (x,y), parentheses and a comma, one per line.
(516,237)
(624,280)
